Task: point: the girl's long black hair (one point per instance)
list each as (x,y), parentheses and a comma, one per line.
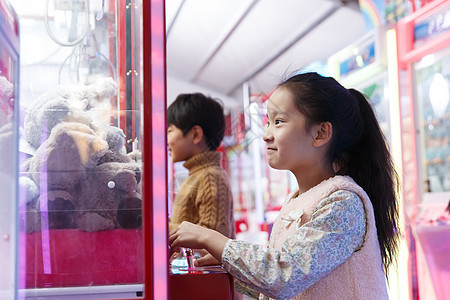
(357,148)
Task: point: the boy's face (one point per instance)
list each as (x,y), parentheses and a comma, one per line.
(180,147)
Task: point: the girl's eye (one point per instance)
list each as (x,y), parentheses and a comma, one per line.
(277,122)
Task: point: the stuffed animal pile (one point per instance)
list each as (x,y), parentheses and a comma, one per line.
(75,172)
(6,152)
(6,90)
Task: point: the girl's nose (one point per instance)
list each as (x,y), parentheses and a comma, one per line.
(267,135)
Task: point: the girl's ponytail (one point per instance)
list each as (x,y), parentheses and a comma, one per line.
(371,166)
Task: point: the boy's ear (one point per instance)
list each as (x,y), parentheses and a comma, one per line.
(197,134)
(323,134)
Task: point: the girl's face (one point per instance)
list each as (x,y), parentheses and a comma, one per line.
(180,146)
(289,144)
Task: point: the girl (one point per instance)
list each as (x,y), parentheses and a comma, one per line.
(335,237)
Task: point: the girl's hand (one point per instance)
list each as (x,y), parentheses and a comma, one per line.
(174,255)
(193,236)
(207,260)
(187,235)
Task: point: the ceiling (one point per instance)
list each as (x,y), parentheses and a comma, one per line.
(220,45)
(215,46)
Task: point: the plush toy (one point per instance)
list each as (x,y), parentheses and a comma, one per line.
(86,184)
(84,178)
(109,198)
(65,103)
(6,127)
(6,90)
(6,149)
(6,173)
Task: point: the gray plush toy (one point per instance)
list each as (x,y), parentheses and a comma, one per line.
(65,103)
(83,177)
(86,185)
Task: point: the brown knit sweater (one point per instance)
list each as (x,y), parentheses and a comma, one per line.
(205,196)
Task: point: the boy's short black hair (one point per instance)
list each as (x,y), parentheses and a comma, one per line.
(193,109)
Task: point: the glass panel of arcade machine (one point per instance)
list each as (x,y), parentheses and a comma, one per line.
(80,167)
(9,44)
(433,87)
(375,91)
(432,78)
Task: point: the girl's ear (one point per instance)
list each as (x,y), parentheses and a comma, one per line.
(197,134)
(323,134)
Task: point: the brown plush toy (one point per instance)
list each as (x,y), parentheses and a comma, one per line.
(76,173)
(86,184)
(109,198)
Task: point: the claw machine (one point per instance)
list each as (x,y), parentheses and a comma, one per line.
(91,167)
(9,93)
(363,66)
(424,58)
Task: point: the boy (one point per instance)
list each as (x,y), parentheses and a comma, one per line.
(196,126)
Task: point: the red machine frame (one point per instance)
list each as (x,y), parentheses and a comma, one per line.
(408,54)
(153,125)
(155,225)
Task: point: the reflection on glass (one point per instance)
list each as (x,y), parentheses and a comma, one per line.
(258,190)
(433,86)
